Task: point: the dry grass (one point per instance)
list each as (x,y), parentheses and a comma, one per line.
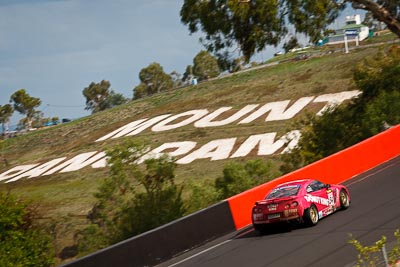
(70,195)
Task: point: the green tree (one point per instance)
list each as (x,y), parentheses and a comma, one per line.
(160,203)
(202,194)
(385,11)
(22,242)
(153,80)
(3,159)
(382,113)
(113,99)
(292,43)
(205,66)
(238,64)
(188,74)
(254,24)
(134,199)
(140,91)
(55,120)
(25,104)
(240,177)
(37,120)
(370,21)
(372,112)
(6,112)
(176,79)
(96,94)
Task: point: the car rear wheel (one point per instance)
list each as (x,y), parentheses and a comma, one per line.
(261,228)
(344,199)
(311,216)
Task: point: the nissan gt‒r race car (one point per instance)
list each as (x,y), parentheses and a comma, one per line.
(304,201)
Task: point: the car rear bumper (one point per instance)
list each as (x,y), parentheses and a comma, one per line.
(282,218)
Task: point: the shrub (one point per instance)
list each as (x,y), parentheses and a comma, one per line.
(373,255)
(22,242)
(134,199)
(240,177)
(376,109)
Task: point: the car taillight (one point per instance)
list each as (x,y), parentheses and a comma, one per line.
(293,205)
(257,210)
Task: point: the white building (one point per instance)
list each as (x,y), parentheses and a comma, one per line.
(354,31)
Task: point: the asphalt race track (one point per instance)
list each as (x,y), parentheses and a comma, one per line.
(374,211)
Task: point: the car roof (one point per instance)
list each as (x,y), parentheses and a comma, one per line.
(302,181)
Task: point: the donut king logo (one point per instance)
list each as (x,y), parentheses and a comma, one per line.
(317,200)
(188,151)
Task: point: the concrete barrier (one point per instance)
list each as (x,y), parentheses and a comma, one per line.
(334,169)
(163,243)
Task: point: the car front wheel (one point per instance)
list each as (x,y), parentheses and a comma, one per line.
(311,216)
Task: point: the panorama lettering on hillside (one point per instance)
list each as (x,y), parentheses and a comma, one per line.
(186,152)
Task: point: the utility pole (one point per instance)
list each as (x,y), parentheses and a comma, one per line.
(346,46)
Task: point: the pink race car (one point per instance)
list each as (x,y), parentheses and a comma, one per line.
(304,201)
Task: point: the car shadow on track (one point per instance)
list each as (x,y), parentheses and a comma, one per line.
(274,229)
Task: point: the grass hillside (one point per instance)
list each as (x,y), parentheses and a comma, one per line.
(68,197)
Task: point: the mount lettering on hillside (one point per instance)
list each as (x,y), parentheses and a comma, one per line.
(186,152)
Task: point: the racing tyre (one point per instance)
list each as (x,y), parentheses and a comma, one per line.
(344,199)
(262,229)
(311,216)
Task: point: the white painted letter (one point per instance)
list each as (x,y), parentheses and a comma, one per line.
(39,170)
(207,120)
(335,99)
(279,110)
(101,163)
(293,138)
(266,144)
(194,116)
(16,171)
(133,128)
(77,162)
(179,148)
(216,150)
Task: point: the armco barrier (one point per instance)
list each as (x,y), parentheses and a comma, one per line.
(163,243)
(334,169)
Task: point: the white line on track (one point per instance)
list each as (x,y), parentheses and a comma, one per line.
(210,248)
(250,230)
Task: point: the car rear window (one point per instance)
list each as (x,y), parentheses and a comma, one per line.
(284,191)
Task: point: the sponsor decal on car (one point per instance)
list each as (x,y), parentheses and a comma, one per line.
(317,200)
(337,195)
(272,207)
(331,200)
(290,212)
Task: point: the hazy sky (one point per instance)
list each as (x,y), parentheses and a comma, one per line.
(56,48)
